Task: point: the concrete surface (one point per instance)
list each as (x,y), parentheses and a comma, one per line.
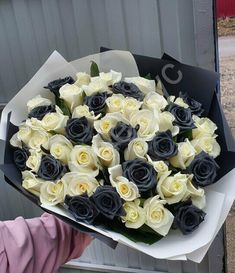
(227,46)
(227,71)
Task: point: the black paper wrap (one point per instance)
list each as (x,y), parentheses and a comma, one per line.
(200,84)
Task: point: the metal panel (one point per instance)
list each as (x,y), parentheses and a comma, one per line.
(31,29)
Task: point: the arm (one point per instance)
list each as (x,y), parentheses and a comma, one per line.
(38,245)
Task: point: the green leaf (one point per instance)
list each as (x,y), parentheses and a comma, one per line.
(148,76)
(142,201)
(63,106)
(188,134)
(94,69)
(144,234)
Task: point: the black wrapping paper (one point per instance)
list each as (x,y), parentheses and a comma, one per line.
(199,83)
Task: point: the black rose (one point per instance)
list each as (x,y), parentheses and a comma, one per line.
(40,111)
(188,217)
(55,85)
(122,134)
(141,173)
(97,102)
(81,208)
(162,146)
(128,90)
(108,202)
(50,168)
(183,117)
(204,169)
(79,130)
(20,157)
(195,106)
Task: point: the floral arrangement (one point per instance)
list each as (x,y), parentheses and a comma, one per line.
(114,151)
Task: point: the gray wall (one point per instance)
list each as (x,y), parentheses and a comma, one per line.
(31,29)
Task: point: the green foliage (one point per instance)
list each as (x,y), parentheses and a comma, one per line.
(63,106)
(94,69)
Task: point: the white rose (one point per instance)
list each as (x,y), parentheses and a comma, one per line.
(107,155)
(34,123)
(82,79)
(135,215)
(111,77)
(159,166)
(155,101)
(137,148)
(114,172)
(96,85)
(83,160)
(143,84)
(54,122)
(166,123)
(38,138)
(130,105)
(115,103)
(147,121)
(83,111)
(197,195)
(60,147)
(208,144)
(158,217)
(72,95)
(31,183)
(25,133)
(205,126)
(52,193)
(36,102)
(108,122)
(78,184)
(178,101)
(34,160)
(126,189)
(172,188)
(185,155)
(15,142)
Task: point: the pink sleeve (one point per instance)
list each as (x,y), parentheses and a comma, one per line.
(38,245)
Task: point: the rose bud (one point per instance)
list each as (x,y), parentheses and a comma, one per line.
(81,208)
(108,202)
(79,130)
(188,217)
(55,85)
(97,102)
(183,117)
(195,106)
(20,157)
(40,111)
(162,146)
(50,168)
(204,170)
(141,173)
(128,90)
(122,134)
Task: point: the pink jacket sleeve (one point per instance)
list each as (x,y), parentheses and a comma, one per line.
(38,245)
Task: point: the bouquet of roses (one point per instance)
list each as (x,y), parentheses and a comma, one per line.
(115,149)
(114,154)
